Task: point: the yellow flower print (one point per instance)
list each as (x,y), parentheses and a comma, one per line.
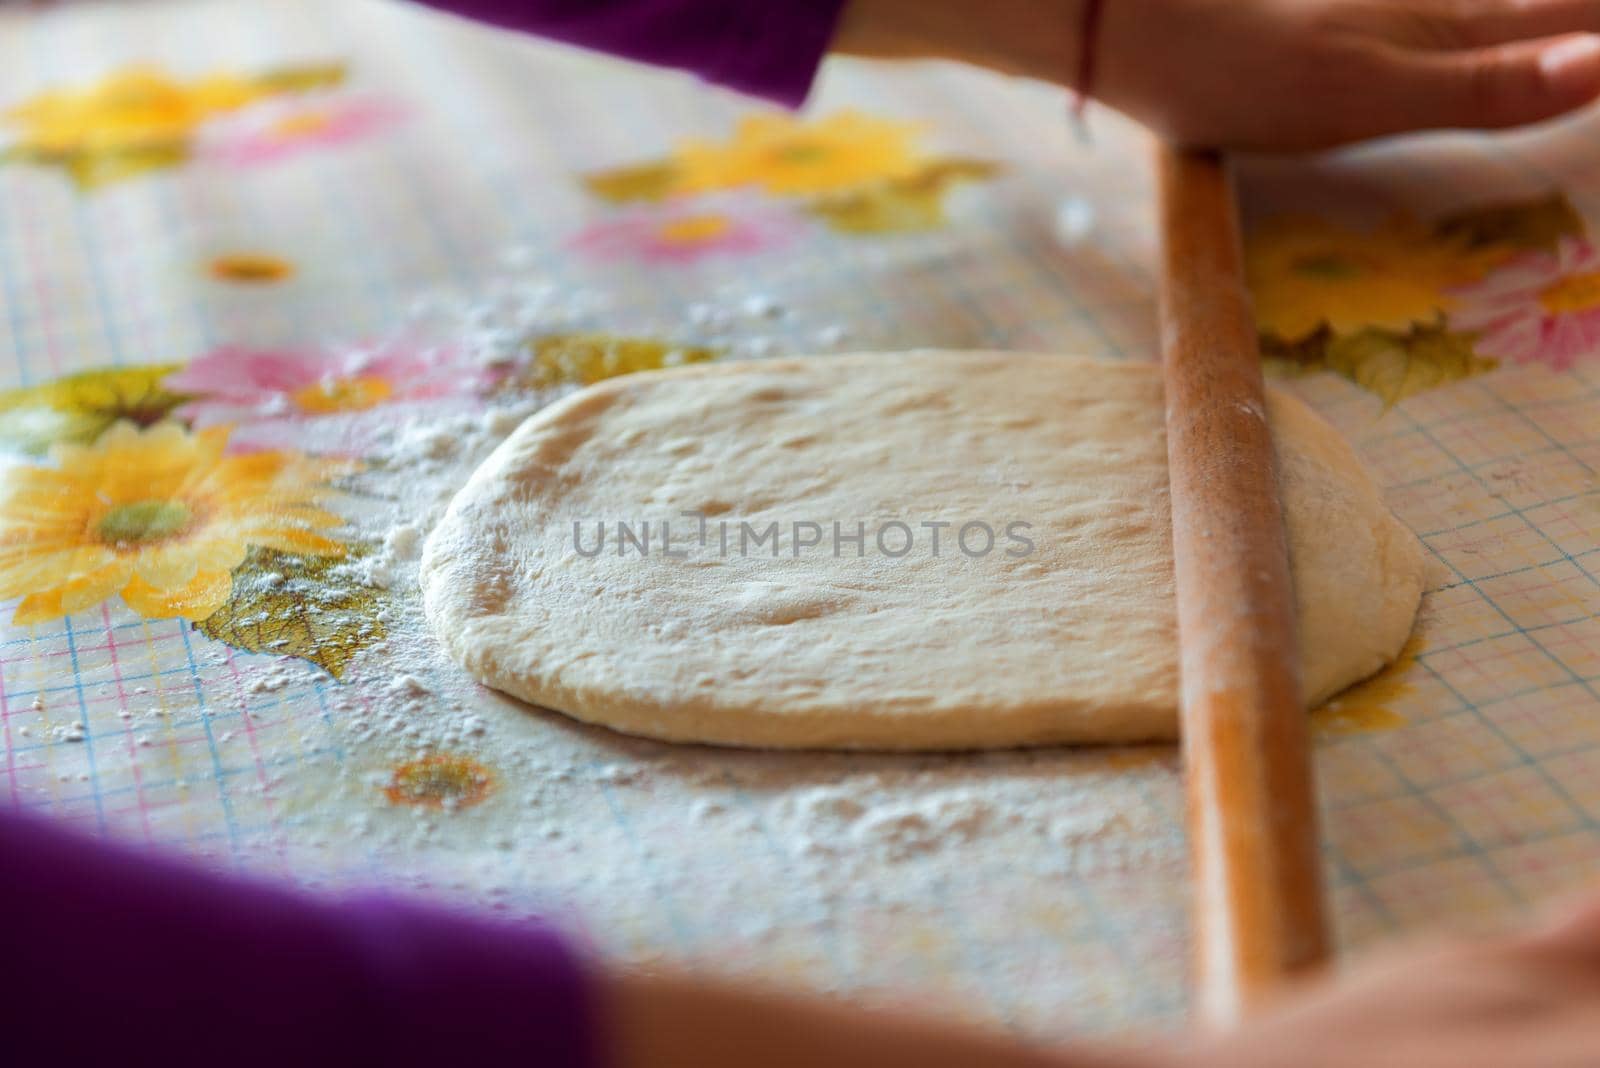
(589,358)
(1307,273)
(136,108)
(159,515)
(789,157)
(250,268)
(856,173)
(694,229)
(138,119)
(443,780)
(80,407)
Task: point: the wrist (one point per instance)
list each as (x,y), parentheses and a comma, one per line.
(1031,38)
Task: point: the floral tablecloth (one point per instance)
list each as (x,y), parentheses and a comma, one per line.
(275,276)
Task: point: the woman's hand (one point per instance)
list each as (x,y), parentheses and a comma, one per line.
(1528,1001)
(1274,75)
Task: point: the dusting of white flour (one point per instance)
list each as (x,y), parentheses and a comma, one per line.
(697,845)
(836,869)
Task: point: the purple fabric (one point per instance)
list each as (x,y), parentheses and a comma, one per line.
(770,48)
(110,957)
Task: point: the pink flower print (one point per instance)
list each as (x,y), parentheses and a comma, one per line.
(322,401)
(684,232)
(269,135)
(1539,307)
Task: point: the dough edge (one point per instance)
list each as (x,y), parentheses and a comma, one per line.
(1388,615)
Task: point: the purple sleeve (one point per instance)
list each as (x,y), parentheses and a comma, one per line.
(770,48)
(109,957)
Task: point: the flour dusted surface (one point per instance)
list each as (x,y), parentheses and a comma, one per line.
(1055,626)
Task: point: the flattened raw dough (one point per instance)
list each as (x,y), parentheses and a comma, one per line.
(1073,642)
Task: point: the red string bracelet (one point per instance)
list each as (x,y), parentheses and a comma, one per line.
(1087,51)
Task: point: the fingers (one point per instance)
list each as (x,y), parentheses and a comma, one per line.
(1574,925)
(1465,24)
(1507,85)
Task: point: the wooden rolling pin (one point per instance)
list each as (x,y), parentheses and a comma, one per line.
(1258,899)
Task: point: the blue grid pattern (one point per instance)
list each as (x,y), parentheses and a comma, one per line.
(1485,800)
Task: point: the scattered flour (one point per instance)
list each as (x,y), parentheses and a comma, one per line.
(425,444)
(1074,221)
(280,673)
(408,688)
(403,542)
(500,422)
(705,810)
(778,853)
(618,774)
(761,306)
(68,732)
(898,830)
(828,806)
(831,337)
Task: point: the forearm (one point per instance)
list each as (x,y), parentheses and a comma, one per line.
(1252,74)
(665,1021)
(1034,38)
(98,931)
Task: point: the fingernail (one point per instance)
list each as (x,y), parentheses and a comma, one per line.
(1570,64)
